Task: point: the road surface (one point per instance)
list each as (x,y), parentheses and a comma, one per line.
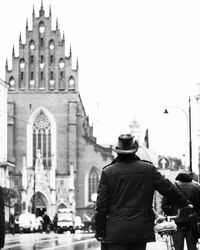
(78,241)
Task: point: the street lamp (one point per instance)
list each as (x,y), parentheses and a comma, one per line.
(188,116)
(34,187)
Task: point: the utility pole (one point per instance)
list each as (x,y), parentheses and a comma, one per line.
(190,137)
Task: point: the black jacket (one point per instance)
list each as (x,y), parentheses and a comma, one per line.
(124,203)
(191,191)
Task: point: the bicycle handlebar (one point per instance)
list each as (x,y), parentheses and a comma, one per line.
(169,217)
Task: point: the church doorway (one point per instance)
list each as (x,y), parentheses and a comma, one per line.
(38,204)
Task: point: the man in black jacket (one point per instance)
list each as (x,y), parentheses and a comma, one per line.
(124,218)
(191,191)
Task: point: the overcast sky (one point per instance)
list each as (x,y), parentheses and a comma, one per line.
(135,58)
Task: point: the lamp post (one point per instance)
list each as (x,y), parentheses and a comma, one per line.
(188,116)
(34,187)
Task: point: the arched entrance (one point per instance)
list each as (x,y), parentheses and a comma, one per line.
(39,204)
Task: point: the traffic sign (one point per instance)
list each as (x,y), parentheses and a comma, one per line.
(164,163)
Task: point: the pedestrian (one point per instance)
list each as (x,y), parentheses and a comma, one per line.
(39,223)
(12,223)
(2,220)
(46,222)
(55,222)
(191,191)
(124,219)
(86,222)
(16,224)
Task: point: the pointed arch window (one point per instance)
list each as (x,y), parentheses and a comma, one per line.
(93,182)
(41,42)
(51,59)
(51,76)
(42,138)
(32,45)
(51,44)
(31,59)
(41,27)
(41,75)
(32,76)
(21,64)
(22,76)
(12,82)
(71,83)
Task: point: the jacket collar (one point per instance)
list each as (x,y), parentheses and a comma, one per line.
(126,158)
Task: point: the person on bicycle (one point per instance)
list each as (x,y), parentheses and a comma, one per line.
(190,191)
(124,219)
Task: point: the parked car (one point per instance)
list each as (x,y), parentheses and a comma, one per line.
(27,222)
(65,221)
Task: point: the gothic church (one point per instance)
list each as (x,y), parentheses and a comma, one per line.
(57,161)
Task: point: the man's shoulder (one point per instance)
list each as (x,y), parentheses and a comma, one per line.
(107,166)
(147,162)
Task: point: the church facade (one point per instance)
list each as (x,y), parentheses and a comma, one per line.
(57,161)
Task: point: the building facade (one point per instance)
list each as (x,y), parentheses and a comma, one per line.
(57,159)
(4,180)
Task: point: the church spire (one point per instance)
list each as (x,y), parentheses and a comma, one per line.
(41,9)
(26,23)
(13,51)
(49,10)
(70,51)
(56,23)
(77,63)
(6,63)
(20,38)
(33,13)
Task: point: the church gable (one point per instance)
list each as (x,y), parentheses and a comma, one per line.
(42,64)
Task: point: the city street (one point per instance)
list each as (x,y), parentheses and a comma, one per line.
(65,241)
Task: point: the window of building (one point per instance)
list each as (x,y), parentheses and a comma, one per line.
(51,58)
(31,59)
(22,63)
(12,82)
(51,76)
(41,61)
(41,41)
(42,139)
(71,83)
(32,45)
(32,76)
(41,75)
(22,76)
(41,27)
(61,63)
(93,182)
(51,44)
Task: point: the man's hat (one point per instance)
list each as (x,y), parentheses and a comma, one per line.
(126,144)
(184,176)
